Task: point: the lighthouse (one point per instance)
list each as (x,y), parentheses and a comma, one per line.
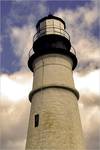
(54,122)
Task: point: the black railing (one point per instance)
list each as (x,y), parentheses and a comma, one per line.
(73,50)
(54,30)
(51,30)
(31,52)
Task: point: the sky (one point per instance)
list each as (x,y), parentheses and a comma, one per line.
(17,28)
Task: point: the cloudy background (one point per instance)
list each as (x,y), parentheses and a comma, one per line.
(18,20)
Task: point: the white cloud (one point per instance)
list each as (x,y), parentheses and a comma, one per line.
(15,106)
(83,16)
(15,88)
(22,41)
(89,82)
(90,122)
(89,105)
(80,24)
(14,109)
(22,37)
(43,10)
(14,123)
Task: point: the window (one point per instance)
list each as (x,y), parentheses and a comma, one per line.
(36,120)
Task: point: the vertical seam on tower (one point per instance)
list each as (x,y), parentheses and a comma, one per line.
(42,86)
(42,76)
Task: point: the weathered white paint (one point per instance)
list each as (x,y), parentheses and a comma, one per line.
(59,121)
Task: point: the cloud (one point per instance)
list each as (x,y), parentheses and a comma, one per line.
(91,123)
(8,83)
(22,41)
(1,45)
(22,36)
(90,112)
(15,109)
(89,82)
(80,25)
(43,9)
(89,105)
(14,123)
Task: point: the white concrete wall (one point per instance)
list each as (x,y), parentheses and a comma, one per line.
(59,121)
(53,69)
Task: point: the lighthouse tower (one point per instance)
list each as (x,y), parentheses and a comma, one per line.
(54,122)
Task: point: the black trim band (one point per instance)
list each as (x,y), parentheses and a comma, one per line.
(74,91)
(34,56)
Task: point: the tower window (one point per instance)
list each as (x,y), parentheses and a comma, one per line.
(36,120)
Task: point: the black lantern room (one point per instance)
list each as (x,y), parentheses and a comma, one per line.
(51,37)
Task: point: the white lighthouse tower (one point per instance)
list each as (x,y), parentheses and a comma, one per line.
(54,122)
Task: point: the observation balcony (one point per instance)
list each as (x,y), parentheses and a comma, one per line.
(51,30)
